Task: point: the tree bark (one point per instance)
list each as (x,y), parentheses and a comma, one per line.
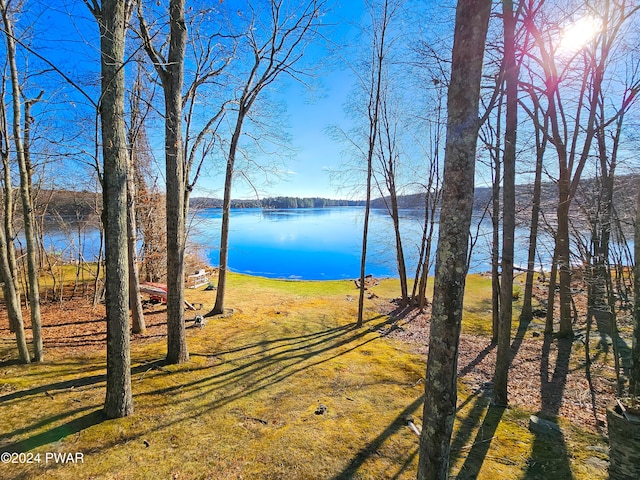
(172,83)
(25,194)
(634,375)
(218,307)
(137,315)
(472,18)
(495,228)
(111,19)
(373,112)
(526,314)
(281,49)
(8,216)
(500,379)
(171,73)
(12,300)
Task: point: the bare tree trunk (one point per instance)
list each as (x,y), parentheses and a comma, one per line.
(495,227)
(395,216)
(273,55)
(176,336)
(472,18)
(422,271)
(432,199)
(526,313)
(171,75)
(111,19)
(218,307)
(563,260)
(500,379)
(634,374)
(25,194)
(379,32)
(365,237)
(388,155)
(137,316)
(8,212)
(12,300)
(551,293)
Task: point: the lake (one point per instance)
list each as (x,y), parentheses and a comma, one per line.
(323,243)
(306,243)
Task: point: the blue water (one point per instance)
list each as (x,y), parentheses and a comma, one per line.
(320,244)
(306,243)
(314,244)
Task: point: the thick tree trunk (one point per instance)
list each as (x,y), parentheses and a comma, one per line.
(472,17)
(172,83)
(111,19)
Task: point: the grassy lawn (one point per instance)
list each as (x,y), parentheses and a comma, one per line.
(286,388)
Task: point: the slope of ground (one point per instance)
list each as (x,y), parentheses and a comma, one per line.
(288,387)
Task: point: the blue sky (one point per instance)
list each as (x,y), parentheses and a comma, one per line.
(309,114)
(65,33)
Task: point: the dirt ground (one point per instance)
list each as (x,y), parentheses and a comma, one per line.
(547,375)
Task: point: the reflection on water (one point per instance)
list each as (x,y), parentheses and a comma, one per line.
(324,243)
(308,243)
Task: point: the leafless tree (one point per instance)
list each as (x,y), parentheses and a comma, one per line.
(111,16)
(8,268)
(136,130)
(21,153)
(508,204)
(171,73)
(373,84)
(634,374)
(472,19)
(276,38)
(571,87)
(181,152)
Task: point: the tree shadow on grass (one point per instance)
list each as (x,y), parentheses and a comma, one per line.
(274,361)
(52,390)
(85,381)
(549,456)
(371,448)
(271,362)
(58,433)
(245,371)
(480,447)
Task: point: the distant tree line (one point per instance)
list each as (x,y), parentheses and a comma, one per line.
(276,202)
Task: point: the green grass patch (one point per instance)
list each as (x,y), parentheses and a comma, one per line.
(287,387)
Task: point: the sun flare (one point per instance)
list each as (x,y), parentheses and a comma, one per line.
(579,33)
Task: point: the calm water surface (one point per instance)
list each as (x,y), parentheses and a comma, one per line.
(305,243)
(320,244)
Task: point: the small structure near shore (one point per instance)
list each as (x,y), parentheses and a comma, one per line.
(158,292)
(199,278)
